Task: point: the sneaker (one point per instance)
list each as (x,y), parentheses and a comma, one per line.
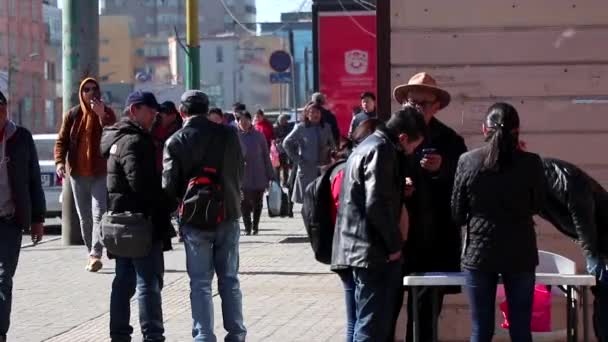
(94,264)
(255,232)
(247,232)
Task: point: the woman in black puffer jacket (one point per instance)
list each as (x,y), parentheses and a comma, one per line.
(497,191)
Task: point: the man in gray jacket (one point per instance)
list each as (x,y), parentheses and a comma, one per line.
(22,203)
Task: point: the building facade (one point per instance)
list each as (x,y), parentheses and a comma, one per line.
(234,69)
(220,71)
(22,56)
(117,51)
(52,65)
(159,17)
(300,25)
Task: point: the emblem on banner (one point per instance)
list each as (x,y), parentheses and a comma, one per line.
(356,61)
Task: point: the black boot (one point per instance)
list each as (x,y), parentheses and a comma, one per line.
(247,223)
(257,213)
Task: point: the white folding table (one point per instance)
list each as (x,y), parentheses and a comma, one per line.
(570,282)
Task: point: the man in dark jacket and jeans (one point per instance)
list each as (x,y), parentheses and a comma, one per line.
(577,205)
(367,241)
(134,185)
(22,203)
(434,238)
(201,143)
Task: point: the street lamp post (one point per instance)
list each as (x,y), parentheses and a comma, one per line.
(193,79)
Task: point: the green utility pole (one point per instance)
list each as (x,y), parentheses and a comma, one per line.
(193,69)
(80,60)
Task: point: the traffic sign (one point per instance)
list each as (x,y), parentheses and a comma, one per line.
(280,77)
(280,61)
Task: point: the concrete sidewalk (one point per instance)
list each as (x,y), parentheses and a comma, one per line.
(288,296)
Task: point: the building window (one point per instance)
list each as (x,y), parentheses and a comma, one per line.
(12,7)
(49,71)
(219,54)
(250,9)
(2,8)
(140,52)
(25,9)
(35,47)
(104,59)
(49,113)
(2,44)
(12,45)
(105,41)
(36,8)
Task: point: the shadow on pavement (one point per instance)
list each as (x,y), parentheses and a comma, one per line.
(286,273)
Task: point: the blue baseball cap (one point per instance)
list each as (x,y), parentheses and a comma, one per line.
(145,98)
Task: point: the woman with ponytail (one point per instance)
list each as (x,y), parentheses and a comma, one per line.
(497,191)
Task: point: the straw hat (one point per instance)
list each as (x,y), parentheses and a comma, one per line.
(424,82)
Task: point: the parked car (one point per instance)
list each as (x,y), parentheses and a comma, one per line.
(52,185)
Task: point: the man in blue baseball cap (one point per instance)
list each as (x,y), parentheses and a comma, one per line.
(134,185)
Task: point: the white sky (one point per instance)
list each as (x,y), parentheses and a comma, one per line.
(268,10)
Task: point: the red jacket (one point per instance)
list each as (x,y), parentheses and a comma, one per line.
(265,127)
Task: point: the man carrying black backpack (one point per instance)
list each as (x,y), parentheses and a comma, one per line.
(203,164)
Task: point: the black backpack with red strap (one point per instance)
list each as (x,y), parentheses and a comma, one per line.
(317,214)
(203,202)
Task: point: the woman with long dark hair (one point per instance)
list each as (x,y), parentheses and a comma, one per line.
(497,191)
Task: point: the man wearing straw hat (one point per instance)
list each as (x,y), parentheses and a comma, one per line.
(434,240)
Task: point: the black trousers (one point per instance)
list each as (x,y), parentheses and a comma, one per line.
(425,314)
(252,201)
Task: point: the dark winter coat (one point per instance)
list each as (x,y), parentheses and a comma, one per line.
(577,205)
(497,209)
(367,224)
(24,177)
(330,118)
(434,239)
(358,119)
(133,181)
(185,153)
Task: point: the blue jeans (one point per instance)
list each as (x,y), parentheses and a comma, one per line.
(481,289)
(145,274)
(600,303)
(209,252)
(10,245)
(349,297)
(90,199)
(375,293)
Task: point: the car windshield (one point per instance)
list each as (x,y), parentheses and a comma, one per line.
(45,148)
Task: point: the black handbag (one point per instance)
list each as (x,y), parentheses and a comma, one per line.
(127,235)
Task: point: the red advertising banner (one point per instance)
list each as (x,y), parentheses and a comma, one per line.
(347,61)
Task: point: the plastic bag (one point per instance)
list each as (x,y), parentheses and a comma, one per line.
(274,155)
(274,199)
(541,310)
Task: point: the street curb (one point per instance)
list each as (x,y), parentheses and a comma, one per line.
(27,245)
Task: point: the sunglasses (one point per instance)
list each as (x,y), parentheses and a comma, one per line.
(89,89)
(423,104)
